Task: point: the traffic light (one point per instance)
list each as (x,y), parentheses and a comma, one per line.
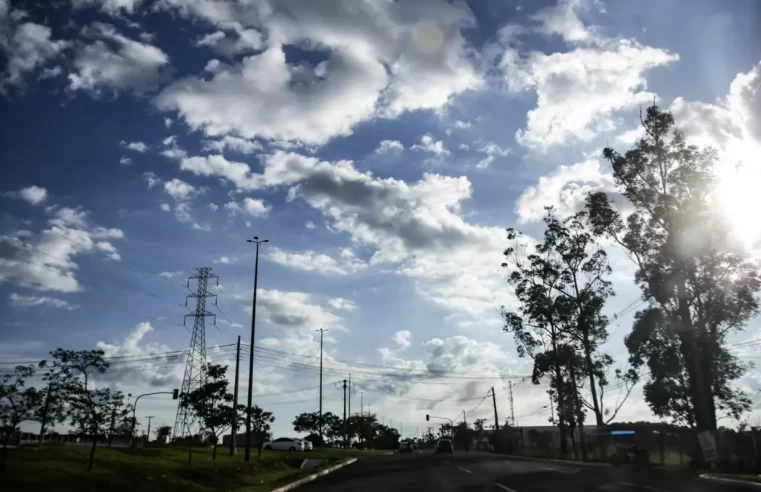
(427,418)
(175,394)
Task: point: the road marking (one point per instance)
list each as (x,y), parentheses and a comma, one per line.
(464,469)
(548,468)
(445,461)
(643,487)
(504,487)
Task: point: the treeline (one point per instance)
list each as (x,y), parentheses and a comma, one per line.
(363,431)
(697,287)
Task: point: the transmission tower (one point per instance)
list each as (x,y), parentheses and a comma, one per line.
(195,371)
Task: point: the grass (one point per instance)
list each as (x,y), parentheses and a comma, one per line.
(63,468)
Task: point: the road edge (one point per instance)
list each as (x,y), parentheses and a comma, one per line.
(553,460)
(313,476)
(708,476)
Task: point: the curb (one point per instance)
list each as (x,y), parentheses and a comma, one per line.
(706,476)
(312,477)
(553,460)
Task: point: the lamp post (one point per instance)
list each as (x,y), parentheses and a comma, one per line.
(256,241)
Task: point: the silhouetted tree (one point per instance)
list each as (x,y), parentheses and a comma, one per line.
(688,269)
(17,403)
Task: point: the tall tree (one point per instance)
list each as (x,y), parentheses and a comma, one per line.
(260,424)
(687,267)
(75,370)
(17,403)
(163,433)
(213,404)
(310,422)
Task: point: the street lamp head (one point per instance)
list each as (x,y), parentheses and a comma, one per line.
(266,241)
(256,238)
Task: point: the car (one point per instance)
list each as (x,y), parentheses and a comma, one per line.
(444,446)
(285,444)
(308,446)
(405,447)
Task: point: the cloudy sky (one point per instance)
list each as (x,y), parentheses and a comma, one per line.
(382,147)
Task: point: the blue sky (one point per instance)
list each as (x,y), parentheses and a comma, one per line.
(382,148)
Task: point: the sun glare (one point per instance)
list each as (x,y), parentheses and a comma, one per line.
(739,195)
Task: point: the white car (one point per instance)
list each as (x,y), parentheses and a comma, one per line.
(285,444)
(308,446)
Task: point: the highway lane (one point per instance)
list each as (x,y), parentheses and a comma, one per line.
(493,473)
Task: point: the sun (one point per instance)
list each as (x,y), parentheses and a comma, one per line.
(739,196)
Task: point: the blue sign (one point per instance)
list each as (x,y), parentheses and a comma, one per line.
(621,433)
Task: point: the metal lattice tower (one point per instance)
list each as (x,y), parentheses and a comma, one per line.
(195,375)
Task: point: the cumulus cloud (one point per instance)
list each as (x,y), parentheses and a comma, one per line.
(492,151)
(428,144)
(134,146)
(383,58)
(387,146)
(565,189)
(236,144)
(226,260)
(32,194)
(292,310)
(179,189)
(344,264)
(111,7)
(26,47)
(250,206)
(116,63)
(578,91)
(342,304)
(46,260)
(151,179)
(233,42)
(20,301)
(403,338)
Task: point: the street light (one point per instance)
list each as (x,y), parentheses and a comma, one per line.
(256,241)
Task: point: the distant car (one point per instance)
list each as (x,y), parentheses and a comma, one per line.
(405,447)
(444,446)
(285,444)
(308,446)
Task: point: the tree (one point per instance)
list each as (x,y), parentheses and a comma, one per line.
(87,408)
(17,403)
(332,424)
(213,404)
(163,433)
(688,269)
(260,425)
(362,427)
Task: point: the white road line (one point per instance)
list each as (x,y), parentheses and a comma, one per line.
(464,469)
(504,487)
(643,487)
(548,468)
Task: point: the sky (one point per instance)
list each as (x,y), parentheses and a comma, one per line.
(381,147)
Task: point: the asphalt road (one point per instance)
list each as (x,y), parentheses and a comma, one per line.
(422,472)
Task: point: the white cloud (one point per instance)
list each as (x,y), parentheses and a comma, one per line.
(462,124)
(116,62)
(166,207)
(213,207)
(32,194)
(226,260)
(46,260)
(180,190)
(578,91)
(168,122)
(151,179)
(565,189)
(134,146)
(201,227)
(111,7)
(238,173)
(309,261)
(20,301)
(310,225)
(25,46)
(342,304)
(291,310)
(234,42)
(169,274)
(236,144)
(403,338)
(125,161)
(428,144)
(389,146)
(491,150)
(382,58)
(250,206)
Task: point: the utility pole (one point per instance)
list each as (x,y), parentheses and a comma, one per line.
(345,432)
(512,408)
(349,394)
(494,402)
(234,425)
(113,423)
(256,241)
(361,403)
(45,412)
(195,366)
(321,330)
(149,417)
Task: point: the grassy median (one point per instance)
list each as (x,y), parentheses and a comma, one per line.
(63,468)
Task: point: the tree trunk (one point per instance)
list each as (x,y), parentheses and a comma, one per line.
(6,439)
(561,419)
(214,453)
(92,450)
(592,383)
(577,412)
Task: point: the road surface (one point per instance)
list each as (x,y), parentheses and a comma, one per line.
(422,472)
